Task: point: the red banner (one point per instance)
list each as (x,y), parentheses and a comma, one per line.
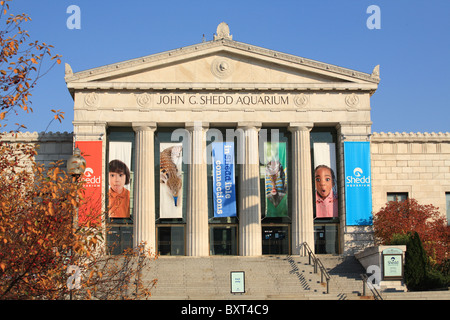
(90,209)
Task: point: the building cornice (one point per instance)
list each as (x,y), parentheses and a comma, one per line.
(137,63)
(35,136)
(410,137)
(174,86)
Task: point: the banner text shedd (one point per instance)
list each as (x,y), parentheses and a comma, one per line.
(222,99)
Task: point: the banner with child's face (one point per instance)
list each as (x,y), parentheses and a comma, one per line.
(119,178)
(324,175)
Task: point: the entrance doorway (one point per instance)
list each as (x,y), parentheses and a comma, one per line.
(223,240)
(326,239)
(275,240)
(170,240)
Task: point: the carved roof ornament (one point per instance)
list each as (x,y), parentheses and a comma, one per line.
(68,70)
(223,32)
(376,72)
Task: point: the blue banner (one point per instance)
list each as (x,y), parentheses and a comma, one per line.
(358,185)
(224,194)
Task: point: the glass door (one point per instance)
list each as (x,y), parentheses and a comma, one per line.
(275,239)
(326,239)
(223,240)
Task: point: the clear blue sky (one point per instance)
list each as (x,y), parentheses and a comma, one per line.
(412,47)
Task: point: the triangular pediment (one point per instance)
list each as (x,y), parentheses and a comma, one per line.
(221,64)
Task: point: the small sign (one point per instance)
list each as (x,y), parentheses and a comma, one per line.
(392,266)
(237,281)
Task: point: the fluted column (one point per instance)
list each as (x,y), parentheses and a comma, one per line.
(144,192)
(250,237)
(197,233)
(302,193)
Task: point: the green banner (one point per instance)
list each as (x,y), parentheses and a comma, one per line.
(275,167)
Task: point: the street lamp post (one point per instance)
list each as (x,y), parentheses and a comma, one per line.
(76,165)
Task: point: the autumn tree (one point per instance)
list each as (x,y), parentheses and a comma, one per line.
(409,217)
(36,212)
(42,254)
(22,63)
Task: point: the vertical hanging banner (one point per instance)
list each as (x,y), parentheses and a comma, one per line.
(324,176)
(90,209)
(171,180)
(119,177)
(275,166)
(224,194)
(358,186)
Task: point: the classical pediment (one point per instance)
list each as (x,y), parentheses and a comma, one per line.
(222,64)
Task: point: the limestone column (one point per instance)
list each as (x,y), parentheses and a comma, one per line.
(144,192)
(197,233)
(302,193)
(250,237)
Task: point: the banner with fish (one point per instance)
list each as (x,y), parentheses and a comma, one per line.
(171,180)
(275,170)
(224,194)
(326,198)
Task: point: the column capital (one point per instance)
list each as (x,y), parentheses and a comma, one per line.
(192,125)
(300,126)
(144,126)
(249,125)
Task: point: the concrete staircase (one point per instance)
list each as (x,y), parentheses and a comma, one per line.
(266,277)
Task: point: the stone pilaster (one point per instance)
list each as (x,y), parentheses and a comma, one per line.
(144,202)
(302,193)
(351,238)
(197,233)
(250,237)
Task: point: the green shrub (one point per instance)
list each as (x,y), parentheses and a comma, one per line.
(418,274)
(415,264)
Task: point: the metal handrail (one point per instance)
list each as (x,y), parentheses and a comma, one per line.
(317,263)
(374,290)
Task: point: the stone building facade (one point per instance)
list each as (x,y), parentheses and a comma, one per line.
(222,87)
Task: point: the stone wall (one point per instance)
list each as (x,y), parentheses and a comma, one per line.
(414,163)
(51,147)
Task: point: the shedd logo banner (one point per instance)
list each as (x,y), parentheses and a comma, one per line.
(91,208)
(358,186)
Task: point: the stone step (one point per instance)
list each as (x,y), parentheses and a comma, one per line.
(266,278)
